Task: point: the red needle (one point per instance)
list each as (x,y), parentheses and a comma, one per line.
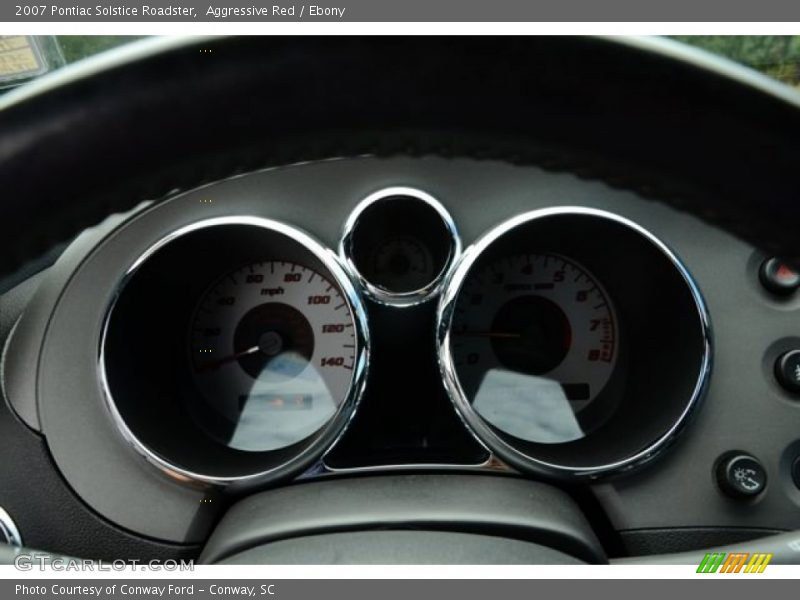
(215,364)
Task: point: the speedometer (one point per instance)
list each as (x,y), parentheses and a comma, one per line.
(221,367)
(272,352)
(534,342)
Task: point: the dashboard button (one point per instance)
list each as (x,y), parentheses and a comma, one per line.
(741,475)
(778,277)
(787,371)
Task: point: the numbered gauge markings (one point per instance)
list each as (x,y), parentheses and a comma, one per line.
(534,340)
(272,351)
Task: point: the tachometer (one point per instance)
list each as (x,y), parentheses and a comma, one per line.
(572,342)
(534,341)
(272,353)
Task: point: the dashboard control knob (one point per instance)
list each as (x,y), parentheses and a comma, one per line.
(787,371)
(778,277)
(741,475)
(796,472)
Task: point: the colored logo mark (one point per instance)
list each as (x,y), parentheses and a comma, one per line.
(734,562)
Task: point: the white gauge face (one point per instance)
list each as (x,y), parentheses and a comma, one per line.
(534,341)
(273,346)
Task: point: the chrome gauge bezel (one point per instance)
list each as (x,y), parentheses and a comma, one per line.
(327,436)
(8,529)
(377,293)
(482,431)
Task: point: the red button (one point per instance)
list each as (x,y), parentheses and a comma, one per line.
(779,277)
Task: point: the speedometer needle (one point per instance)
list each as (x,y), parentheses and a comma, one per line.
(490,334)
(215,364)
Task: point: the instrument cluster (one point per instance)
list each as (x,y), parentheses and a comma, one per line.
(566,341)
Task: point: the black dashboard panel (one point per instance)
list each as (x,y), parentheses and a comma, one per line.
(405,420)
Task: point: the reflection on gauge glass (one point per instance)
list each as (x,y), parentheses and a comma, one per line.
(272,351)
(534,342)
(402,263)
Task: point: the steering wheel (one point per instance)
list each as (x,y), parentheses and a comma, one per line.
(701,135)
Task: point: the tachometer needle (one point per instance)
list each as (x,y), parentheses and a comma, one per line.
(215,364)
(489,334)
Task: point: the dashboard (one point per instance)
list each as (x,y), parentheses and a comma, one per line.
(348,317)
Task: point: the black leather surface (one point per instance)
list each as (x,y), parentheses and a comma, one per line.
(701,142)
(45,510)
(644,542)
(47,513)
(478,504)
(401,548)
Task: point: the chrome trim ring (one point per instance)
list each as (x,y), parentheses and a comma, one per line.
(490,465)
(8,529)
(377,293)
(485,433)
(329,434)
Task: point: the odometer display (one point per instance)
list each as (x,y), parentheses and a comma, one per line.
(272,352)
(534,342)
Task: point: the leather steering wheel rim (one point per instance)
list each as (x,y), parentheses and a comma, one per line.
(704,136)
